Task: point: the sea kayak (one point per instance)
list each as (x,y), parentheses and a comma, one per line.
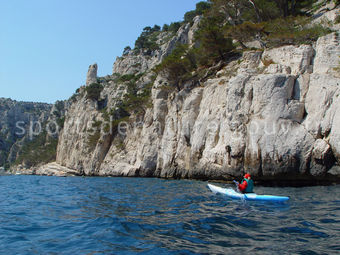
(229,192)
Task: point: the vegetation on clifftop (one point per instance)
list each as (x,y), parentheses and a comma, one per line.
(148,39)
(226,28)
(228,25)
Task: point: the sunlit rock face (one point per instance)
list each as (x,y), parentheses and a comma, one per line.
(91,76)
(274,114)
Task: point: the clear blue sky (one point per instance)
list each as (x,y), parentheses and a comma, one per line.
(46,46)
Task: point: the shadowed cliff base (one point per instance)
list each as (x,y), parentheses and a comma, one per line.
(292,179)
(281,180)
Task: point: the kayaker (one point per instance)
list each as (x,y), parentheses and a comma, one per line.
(247,184)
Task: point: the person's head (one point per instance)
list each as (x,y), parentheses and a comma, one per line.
(247,176)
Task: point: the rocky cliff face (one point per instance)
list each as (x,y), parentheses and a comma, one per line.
(274,114)
(142,62)
(23,122)
(15,119)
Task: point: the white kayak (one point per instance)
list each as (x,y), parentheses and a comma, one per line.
(229,192)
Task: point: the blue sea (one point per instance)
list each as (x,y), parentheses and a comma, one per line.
(78,215)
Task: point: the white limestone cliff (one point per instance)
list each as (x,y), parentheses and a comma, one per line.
(91,76)
(275,114)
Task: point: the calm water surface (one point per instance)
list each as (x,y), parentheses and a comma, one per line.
(75,215)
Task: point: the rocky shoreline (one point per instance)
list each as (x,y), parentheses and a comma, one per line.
(54,169)
(50,169)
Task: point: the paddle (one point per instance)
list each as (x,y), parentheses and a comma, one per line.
(236,183)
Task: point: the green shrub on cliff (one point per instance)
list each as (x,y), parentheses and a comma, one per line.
(281,31)
(214,44)
(61,121)
(337,19)
(182,64)
(131,78)
(93,91)
(3,157)
(93,139)
(272,23)
(174,26)
(238,11)
(292,30)
(125,78)
(176,66)
(201,7)
(148,39)
(137,101)
(41,149)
